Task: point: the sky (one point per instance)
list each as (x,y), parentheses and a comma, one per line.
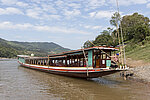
(68,23)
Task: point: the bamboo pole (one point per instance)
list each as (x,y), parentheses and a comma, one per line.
(86,62)
(123,47)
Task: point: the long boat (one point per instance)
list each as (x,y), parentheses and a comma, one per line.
(90,62)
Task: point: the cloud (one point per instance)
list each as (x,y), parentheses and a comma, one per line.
(72,13)
(51,29)
(93,27)
(96,3)
(22,4)
(10,10)
(9,25)
(148,5)
(101,14)
(97,27)
(49,8)
(92,14)
(8,2)
(33,13)
(128,2)
(38,13)
(74,5)
(59,3)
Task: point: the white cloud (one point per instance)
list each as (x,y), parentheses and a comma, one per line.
(92,14)
(51,17)
(93,27)
(96,3)
(74,5)
(101,14)
(97,27)
(148,5)
(72,13)
(22,4)
(10,10)
(59,3)
(9,25)
(8,2)
(52,29)
(49,8)
(33,13)
(128,2)
(38,13)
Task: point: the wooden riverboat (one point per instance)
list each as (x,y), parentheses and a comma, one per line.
(90,62)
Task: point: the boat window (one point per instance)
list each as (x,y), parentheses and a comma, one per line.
(103,56)
(103,61)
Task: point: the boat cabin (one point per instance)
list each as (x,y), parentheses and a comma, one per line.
(96,57)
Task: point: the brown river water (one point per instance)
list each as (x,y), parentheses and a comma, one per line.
(19,83)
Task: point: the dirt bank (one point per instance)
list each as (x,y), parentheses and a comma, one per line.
(140,69)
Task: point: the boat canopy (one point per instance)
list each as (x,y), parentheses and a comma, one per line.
(80,51)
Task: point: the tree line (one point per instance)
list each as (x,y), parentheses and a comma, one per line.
(135,28)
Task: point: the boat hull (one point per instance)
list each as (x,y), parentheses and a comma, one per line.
(94,73)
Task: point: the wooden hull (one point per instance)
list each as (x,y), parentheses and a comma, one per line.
(77,73)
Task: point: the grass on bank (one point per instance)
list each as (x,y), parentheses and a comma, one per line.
(139,51)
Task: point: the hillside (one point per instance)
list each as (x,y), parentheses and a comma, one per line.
(139,51)
(13,48)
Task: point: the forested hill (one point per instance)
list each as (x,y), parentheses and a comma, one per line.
(10,49)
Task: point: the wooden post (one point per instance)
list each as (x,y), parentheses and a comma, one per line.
(93,58)
(83,62)
(48,61)
(71,60)
(54,62)
(79,62)
(40,62)
(43,62)
(66,62)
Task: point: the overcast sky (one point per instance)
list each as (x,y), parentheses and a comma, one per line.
(68,23)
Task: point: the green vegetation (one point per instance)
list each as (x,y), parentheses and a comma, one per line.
(140,51)
(10,49)
(136,35)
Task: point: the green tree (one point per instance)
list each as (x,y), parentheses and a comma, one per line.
(88,44)
(135,26)
(115,19)
(103,39)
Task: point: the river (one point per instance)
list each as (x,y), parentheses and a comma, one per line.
(19,83)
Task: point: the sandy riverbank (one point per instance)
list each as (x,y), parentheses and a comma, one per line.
(140,69)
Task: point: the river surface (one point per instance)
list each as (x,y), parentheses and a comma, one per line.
(19,83)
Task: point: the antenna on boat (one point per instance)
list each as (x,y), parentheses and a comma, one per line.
(85,61)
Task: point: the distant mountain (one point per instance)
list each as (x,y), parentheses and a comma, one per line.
(14,48)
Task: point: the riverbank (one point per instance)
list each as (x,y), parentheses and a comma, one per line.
(140,69)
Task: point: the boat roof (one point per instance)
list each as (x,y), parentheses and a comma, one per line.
(79,51)
(31,57)
(24,56)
